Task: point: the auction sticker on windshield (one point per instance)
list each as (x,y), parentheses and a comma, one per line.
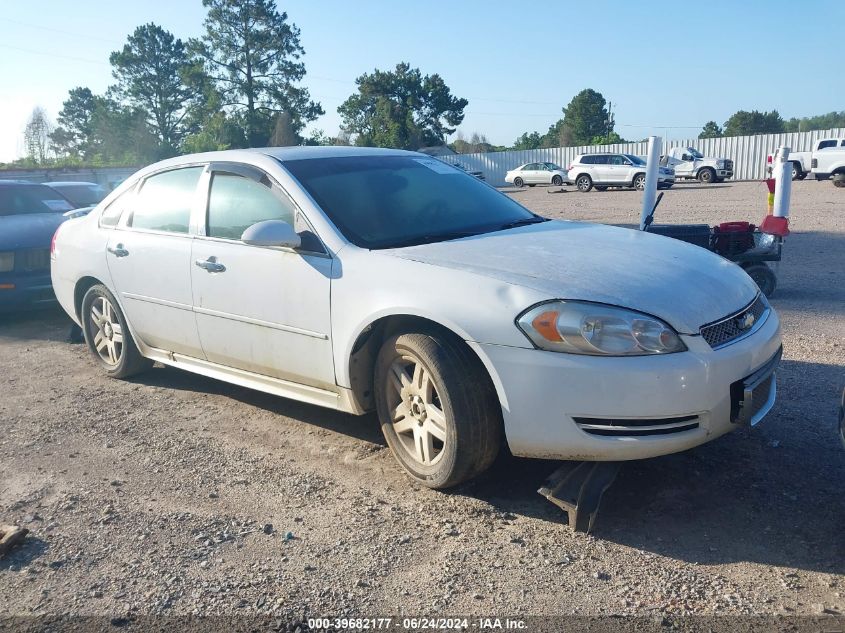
(437,166)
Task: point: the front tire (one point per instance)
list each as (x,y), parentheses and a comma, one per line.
(764,277)
(108,336)
(437,407)
(557,181)
(707,176)
(584,183)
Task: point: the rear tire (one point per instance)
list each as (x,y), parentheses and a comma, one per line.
(797,173)
(639,182)
(108,336)
(584,183)
(437,407)
(518,182)
(707,176)
(764,277)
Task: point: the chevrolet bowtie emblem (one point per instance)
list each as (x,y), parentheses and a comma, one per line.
(745,321)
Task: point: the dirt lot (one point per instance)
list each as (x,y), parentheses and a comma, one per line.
(177,494)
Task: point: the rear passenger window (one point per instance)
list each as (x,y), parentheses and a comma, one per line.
(165,200)
(111,214)
(236,203)
(825,144)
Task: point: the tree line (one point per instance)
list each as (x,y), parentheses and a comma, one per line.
(240,84)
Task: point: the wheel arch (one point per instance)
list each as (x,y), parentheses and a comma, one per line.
(82,286)
(360,361)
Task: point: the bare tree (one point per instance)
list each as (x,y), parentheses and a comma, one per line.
(36,136)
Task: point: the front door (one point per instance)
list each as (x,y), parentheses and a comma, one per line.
(263,310)
(149,258)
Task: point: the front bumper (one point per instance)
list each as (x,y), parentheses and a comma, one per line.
(724,173)
(566,406)
(25,291)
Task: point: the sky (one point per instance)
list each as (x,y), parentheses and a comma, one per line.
(667,67)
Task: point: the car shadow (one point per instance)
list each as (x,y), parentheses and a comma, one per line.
(364,428)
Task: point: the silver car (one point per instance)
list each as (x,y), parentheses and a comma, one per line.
(537,174)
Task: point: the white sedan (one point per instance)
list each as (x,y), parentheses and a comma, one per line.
(537,174)
(361,279)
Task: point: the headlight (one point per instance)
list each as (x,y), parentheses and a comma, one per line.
(7,261)
(579,327)
(720,164)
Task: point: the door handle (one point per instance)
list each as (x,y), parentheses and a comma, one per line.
(211,265)
(117,251)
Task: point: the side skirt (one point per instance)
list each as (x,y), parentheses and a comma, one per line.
(340,400)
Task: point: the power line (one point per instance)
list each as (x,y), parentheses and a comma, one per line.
(56,55)
(86,36)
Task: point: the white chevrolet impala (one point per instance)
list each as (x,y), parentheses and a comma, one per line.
(362,279)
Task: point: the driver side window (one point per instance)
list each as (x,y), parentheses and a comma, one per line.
(235,203)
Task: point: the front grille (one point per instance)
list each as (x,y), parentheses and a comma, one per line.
(620,427)
(32,260)
(729,165)
(734,327)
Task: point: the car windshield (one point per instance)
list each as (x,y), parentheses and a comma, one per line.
(391,201)
(82,195)
(695,153)
(21,199)
(634,159)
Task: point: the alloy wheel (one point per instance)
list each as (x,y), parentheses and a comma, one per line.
(418,418)
(107,330)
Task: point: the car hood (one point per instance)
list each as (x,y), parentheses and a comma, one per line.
(28,230)
(685,285)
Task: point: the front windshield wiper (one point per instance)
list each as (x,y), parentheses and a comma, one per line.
(523,222)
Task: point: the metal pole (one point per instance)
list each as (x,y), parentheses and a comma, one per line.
(655,143)
(783,183)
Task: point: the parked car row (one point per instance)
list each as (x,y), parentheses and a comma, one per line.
(30,213)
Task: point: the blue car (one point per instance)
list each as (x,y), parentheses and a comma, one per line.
(29,216)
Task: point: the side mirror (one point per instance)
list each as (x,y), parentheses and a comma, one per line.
(271,233)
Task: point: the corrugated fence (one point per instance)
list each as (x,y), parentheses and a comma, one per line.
(747,152)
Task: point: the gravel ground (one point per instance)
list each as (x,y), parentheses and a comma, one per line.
(177,494)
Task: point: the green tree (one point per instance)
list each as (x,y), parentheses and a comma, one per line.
(37,136)
(401,108)
(528,141)
(710,130)
(149,71)
(72,138)
(585,118)
(743,123)
(122,135)
(252,54)
(607,139)
(818,122)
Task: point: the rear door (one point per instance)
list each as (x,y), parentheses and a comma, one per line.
(149,258)
(263,310)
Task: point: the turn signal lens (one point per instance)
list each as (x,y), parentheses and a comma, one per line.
(546,324)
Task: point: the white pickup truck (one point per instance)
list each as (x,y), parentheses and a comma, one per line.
(830,162)
(802,162)
(689,163)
